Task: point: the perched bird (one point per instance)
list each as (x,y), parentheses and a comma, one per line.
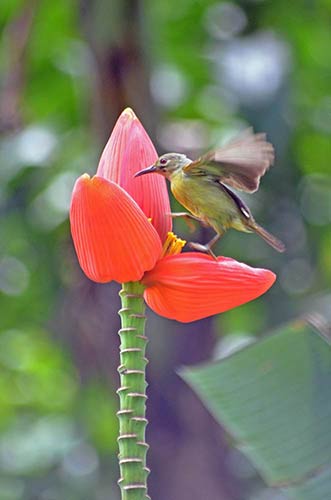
(201,186)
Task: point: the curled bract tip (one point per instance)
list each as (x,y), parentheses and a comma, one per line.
(130,113)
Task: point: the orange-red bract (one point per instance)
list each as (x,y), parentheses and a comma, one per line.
(112,236)
(192,286)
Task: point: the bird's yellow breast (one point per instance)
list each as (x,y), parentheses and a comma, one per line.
(207,201)
(187,191)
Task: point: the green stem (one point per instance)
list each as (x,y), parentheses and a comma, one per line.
(132,393)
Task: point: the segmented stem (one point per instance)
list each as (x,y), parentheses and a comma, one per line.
(132,394)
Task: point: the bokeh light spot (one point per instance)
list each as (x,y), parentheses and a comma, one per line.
(315,199)
(297,276)
(225,20)
(14,276)
(35,144)
(168,77)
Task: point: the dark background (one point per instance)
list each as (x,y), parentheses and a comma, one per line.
(194,72)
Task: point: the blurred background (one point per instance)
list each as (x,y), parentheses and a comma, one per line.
(195,72)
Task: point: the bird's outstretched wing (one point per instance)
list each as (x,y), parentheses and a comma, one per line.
(240,163)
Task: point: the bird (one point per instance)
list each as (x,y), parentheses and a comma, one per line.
(204,186)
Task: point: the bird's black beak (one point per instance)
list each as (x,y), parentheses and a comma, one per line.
(147,170)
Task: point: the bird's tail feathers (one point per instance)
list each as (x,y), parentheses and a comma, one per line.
(269,238)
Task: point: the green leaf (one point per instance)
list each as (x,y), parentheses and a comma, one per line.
(274,399)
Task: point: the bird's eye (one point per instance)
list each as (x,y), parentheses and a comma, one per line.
(163,161)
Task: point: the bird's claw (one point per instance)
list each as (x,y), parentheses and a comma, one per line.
(202,248)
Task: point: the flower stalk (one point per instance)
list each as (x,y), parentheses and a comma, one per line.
(132,394)
(122,231)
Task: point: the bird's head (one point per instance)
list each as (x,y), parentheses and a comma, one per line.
(166,165)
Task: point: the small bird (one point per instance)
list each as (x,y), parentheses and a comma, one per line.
(201,186)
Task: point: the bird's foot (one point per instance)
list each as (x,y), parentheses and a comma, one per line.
(202,248)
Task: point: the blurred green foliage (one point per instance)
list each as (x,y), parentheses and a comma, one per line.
(213,67)
(282,382)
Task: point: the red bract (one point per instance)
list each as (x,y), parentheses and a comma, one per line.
(192,286)
(119,225)
(129,150)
